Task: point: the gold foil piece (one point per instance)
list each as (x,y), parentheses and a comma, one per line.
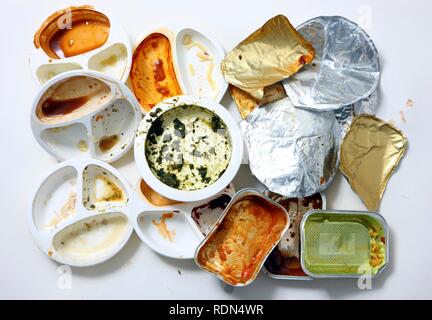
(270,54)
(370,152)
(246,103)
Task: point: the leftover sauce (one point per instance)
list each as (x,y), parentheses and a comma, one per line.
(249,230)
(153,197)
(106,143)
(188,147)
(72,98)
(85,35)
(162,227)
(88,30)
(52,107)
(152,75)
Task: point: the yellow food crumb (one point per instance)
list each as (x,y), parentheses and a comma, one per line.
(82,146)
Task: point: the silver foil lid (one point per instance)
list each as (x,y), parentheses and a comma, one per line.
(293,152)
(345,115)
(345,70)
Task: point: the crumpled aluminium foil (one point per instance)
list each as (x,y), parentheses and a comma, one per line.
(345,70)
(293,152)
(345,115)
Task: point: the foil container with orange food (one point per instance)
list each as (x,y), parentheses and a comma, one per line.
(243,237)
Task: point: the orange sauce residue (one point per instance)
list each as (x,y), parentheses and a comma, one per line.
(237,248)
(72,31)
(163,228)
(153,197)
(152,76)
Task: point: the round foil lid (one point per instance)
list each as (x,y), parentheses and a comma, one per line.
(293,152)
(345,70)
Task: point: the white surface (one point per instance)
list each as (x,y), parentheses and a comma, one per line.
(400,30)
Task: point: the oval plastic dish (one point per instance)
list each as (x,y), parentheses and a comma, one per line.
(196,62)
(113,58)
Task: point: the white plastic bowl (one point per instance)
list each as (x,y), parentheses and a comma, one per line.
(182,195)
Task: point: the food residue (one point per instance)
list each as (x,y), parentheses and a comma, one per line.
(285,257)
(66,211)
(236,249)
(72,98)
(106,190)
(210,79)
(82,146)
(402,116)
(206,215)
(153,197)
(55,107)
(409,103)
(343,243)
(106,143)
(188,147)
(163,228)
(92,238)
(191,69)
(89,30)
(152,76)
(189,43)
(204,56)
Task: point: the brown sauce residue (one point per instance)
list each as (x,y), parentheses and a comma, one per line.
(220,202)
(106,143)
(88,30)
(158,70)
(56,107)
(163,228)
(152,76)
(72,98)
(243,239)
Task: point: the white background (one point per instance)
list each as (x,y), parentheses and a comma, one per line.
(401,31)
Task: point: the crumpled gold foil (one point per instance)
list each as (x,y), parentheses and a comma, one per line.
(370,152)
(246,103)
(270,54)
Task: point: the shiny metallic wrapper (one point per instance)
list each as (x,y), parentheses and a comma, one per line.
(369,154)
(270,54)
(345,115)
(293,152)
(345,70)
